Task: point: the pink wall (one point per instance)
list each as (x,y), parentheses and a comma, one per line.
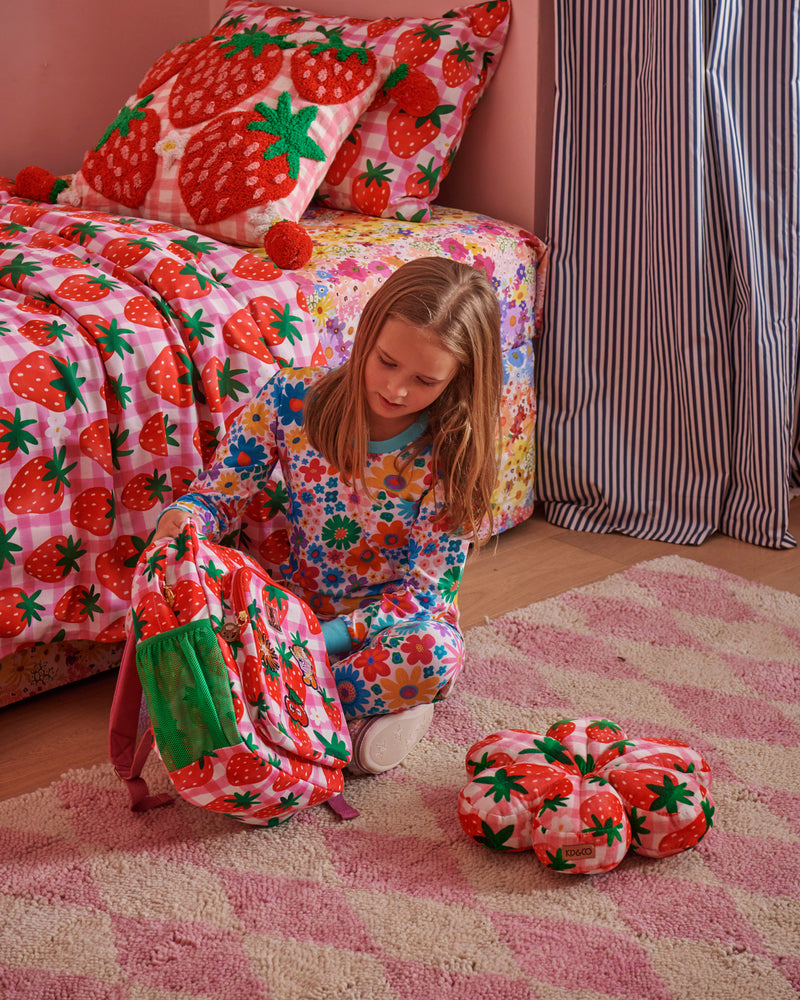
(70,66)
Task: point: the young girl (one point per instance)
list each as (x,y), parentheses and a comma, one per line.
(389,462)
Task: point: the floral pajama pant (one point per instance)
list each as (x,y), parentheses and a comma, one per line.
(413,662)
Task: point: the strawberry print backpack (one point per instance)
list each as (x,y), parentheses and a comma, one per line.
(242,704)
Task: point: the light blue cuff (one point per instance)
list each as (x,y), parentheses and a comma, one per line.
(336,636)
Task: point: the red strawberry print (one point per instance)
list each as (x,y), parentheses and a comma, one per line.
(422,183)
(40,485)
(68,260)
(418,45)
(127,251)
(194,775)
(242,332)
(345,158)
(247,768)
(44,332)
(13,275)
(221,381)
(275,547)
(95,442)
(690,835)
(265,145)
(174,279)
(115,566)
(15,434)
(86,287)
(485,17)
(170,376)
(603,817)
(205,440)
(144,490)
(18,610)
(93,510)
(254,268)
(408,134)
(457,64)
(152,616)
(54,559)
(78,604)
(158,434)
(382,25)
(603,731)
(141,311)
(181,477)
(371,190)
(122,166)
(188,600)
(225,72)
(331,72)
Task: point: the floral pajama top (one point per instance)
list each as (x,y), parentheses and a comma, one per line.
(362,564)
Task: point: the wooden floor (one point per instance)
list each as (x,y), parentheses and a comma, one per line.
(45,736)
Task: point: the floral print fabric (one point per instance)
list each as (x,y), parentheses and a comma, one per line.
(385,567)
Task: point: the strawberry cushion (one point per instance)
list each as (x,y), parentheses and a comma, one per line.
(402,146)
(232,132)
(583,793)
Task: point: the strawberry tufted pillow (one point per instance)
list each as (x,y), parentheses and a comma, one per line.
(402,147)
(583,793)
(232,132)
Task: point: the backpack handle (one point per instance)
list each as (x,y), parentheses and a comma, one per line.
(127,756)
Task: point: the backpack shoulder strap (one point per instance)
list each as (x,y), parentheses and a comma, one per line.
(127,755)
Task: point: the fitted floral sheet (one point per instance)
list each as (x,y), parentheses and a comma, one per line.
(126,347)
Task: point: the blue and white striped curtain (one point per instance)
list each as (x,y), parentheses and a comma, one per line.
(668,371)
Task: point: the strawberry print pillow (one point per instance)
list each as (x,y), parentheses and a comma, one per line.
(583,793)
(232,132)
(394,160)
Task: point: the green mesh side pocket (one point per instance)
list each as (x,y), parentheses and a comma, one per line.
(185,682)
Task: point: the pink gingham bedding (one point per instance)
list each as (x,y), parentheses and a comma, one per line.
(126,346)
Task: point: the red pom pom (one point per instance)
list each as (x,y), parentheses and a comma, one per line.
(37,184)
(288,245)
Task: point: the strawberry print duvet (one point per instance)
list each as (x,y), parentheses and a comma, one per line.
(128,345)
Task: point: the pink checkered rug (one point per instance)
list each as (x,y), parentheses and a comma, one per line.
(99,904)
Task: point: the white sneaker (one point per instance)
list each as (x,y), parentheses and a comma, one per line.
(380,742)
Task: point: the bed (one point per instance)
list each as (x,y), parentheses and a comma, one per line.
(129,340)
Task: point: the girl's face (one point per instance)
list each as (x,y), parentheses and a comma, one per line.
(405,372)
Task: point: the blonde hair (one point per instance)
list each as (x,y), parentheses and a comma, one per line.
(456,302)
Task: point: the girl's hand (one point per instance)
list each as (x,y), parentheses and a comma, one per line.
(170,524)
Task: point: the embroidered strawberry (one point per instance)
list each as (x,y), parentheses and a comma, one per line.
(93,510)
(141,311)
(242,332)
(371,190)
(171,377)
(77,605)
(18,610)
(54,559)
(457,64)
(122,166)
(144,490)
(170,63)
(39,487)
(158,434)
(224,73)
(411,89)
(253,268)
(346,156)
(485,17)
(265,145)
(331,72)
(418,45)
(408,134)
(115,566)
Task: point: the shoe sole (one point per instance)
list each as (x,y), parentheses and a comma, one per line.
(388,739)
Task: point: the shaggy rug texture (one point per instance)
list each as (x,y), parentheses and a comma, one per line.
(97,903)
